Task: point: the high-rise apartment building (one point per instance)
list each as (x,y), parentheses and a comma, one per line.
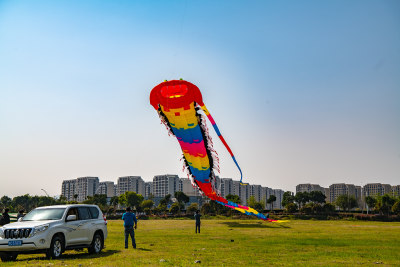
(396,190)
(241,190)
(86,186)
(106,188)
(148,189)
(277,204)
(226,187)
(309,188)
(165,184)
(256,190)
(132,184)
(187,188)
(68,189)
(266,192)
(336,190)
(375,189)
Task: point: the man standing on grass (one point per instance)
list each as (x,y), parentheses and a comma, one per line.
(197,218)
(129,221)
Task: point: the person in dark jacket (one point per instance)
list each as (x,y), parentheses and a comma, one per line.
(20,214)
(5,218)
(197,218)
(130,222)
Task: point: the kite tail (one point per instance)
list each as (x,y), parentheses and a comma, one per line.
(211,119)
(243,209)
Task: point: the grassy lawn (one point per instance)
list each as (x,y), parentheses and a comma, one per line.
(241,243)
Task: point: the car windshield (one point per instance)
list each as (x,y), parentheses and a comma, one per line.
(44,214)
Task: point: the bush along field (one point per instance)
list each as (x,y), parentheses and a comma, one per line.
(240,243)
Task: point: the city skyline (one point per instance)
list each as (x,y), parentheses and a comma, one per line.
(301,91)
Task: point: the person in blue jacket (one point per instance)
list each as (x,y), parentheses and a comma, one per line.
(130,222)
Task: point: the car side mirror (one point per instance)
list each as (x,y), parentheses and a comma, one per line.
(19,219)
(71,218)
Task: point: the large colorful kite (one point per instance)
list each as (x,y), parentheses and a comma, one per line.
(178,104)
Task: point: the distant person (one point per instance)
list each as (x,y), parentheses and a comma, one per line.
(130,221)
(20,214)
(5,218)
(197,218)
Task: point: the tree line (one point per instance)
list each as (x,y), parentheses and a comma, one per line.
(314,203)
(169,204)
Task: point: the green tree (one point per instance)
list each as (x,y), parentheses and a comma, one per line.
(346,202)
(181,197)
(234,198)
(114,202)
(396,207)
(302,198)
(317,197)
(371,202)
(23,202)
(166,200)
(291,207)
(317,208)
(287,198)
(257,205)
(271,200)
(147,204)
(130,199)
(5,201)
(384,204)
(100,200)
(206,208)
(307,208)
(192,208)
(175,208)
(161,208)
(329,208)
(218,208)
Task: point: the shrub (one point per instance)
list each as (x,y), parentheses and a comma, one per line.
(291,208)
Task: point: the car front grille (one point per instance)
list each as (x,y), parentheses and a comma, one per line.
(17,233)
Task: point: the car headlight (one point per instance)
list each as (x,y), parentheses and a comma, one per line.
(1,233)
(39,229)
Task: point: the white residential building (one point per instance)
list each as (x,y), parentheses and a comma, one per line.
(86,186)
(226,187)
(132,184)
(148,189)
(68,189)
(165,184)
(187,188)
(106,188)
(256,191)
(309,188)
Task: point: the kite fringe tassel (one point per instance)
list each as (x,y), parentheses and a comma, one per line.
(209,143)
(165,121)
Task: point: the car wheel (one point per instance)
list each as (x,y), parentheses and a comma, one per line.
(97,244)
(12,256)
(56,248)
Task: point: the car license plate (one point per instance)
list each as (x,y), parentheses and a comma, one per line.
(15,243)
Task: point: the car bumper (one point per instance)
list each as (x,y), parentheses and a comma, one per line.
(28,244)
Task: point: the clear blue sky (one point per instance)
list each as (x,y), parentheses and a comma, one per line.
(303,91)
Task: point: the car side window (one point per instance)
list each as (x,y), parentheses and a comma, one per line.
(84,213)
(73,211)
(94,212)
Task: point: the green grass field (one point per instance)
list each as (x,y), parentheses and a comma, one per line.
(241,243)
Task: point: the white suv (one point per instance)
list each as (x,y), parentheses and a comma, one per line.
(54,229)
